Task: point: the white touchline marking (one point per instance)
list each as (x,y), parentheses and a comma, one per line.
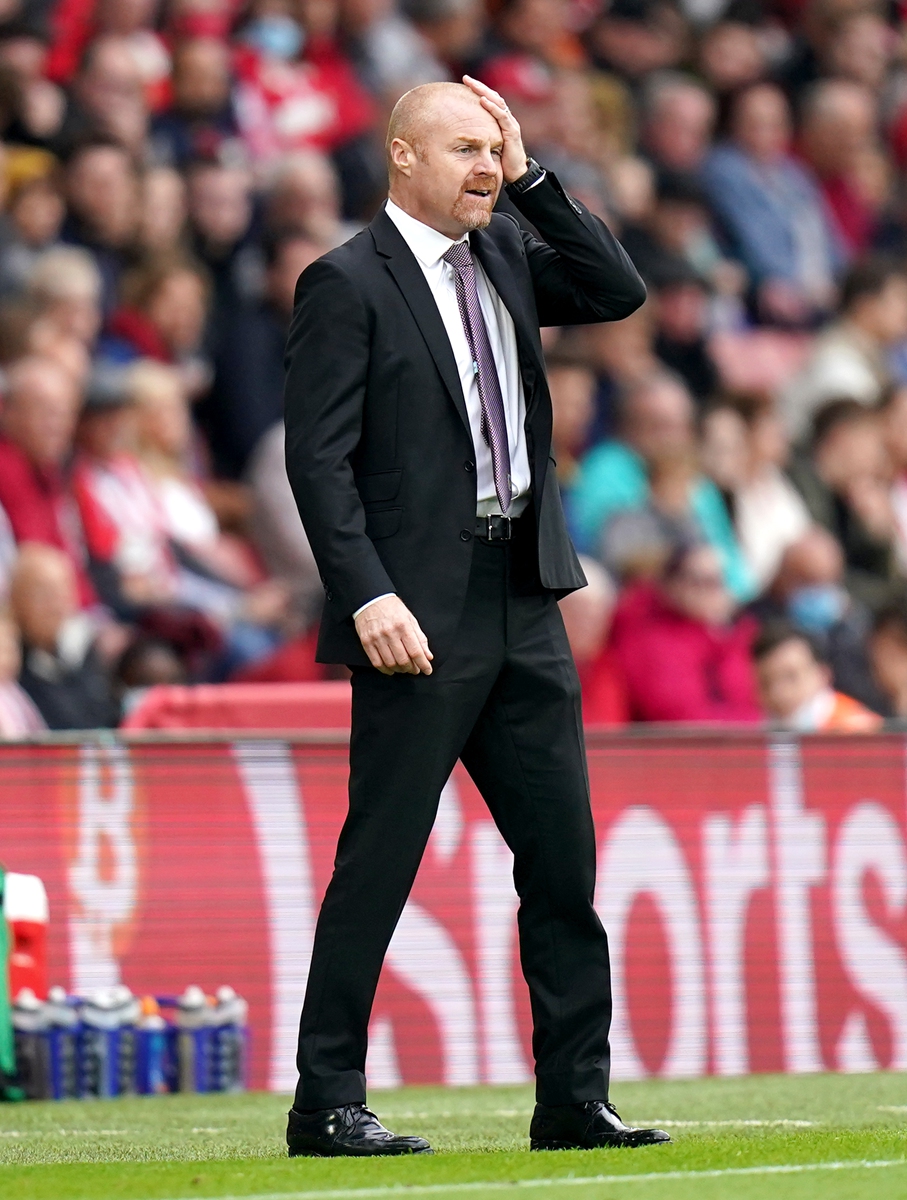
(508,1185)
(37,1133)
(891,1107)
(207,1129)
(732,1123)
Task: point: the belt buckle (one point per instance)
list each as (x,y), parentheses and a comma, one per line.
(499,528)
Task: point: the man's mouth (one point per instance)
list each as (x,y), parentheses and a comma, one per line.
(483,192)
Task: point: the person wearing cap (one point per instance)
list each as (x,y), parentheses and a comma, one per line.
(418,424)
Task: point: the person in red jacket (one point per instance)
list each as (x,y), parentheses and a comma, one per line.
(684,655)
(39,416)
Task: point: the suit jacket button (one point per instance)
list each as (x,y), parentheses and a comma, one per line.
(469,465)
(465,535)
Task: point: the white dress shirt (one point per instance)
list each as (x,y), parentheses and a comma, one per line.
(429,247)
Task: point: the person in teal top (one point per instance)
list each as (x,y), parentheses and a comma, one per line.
(656,421)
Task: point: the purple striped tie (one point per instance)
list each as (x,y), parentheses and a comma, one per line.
(494,421)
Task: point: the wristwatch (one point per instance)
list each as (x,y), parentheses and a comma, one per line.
(535,173)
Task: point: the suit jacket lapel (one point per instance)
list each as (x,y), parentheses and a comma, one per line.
(501,275)
(402,264)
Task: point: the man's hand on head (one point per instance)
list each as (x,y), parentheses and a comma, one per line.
(514,157)
(392,638)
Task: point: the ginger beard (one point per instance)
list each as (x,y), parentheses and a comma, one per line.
(473,207)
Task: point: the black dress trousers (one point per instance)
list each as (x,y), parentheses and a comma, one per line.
(506,701)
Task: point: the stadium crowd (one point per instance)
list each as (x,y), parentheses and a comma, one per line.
(733,457)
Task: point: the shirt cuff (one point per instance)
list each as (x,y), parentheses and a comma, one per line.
(383,596)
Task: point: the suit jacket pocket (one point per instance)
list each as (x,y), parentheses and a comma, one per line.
(379,487)
(383,523)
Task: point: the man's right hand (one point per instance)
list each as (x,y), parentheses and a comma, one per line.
(392,639)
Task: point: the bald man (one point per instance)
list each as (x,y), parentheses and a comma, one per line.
(418,440)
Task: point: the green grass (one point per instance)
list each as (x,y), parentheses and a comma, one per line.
(179,1147)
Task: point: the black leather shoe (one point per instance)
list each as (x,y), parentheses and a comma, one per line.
(351,1129)
(586,1127)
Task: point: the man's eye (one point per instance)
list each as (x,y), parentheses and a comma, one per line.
(497,153)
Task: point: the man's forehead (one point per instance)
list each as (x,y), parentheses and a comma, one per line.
(462,119)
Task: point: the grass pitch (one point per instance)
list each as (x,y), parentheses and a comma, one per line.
(840,1137)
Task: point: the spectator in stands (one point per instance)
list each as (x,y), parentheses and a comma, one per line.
(102,193)
(680,299)
(66,285)
(656,434)
(223,240)
(121,515)
(732,54)
(894,428)
(217,576)
(145,663)
(200,122)
(38,422)
(61,669)
(796,689)
(163,316)
(162,224)
(18,716)
(845,480)
(678,119)
(678,225)
(303,197)
(888,655)
(809,593)
(572,384)
(108,97)
(277,531)
(633,38)
(849,358)
(772,211)
(248,341)
(839,127)
(769,513)
(35,213)
(684,655)
(587,618)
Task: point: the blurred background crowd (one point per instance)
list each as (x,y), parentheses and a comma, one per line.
(733,457)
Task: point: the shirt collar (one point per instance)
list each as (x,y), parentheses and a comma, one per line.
(427,244)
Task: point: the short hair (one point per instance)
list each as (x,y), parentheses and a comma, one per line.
(409,111)
(892,619)
(779,633)
(142,282)
(842,410)
(869,277)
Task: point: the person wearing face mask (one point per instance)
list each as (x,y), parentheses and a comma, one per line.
(808,592)
(286,102)
(796,689)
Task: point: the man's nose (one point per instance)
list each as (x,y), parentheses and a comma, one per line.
(485,164)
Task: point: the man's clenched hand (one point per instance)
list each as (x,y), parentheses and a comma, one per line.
(392,639)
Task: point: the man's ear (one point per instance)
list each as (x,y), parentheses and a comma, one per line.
(402,156)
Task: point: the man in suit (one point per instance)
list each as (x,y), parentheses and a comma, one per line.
(418,437)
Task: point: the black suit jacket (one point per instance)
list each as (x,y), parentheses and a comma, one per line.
(379,450)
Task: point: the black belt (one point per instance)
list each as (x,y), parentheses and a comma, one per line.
(495,528)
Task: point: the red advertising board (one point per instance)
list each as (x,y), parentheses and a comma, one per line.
(754,892)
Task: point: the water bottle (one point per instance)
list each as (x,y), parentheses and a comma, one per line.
(155,1073)
(194,1040)
(228,1050)
(30,1025)
(107,1043)
(63,1037)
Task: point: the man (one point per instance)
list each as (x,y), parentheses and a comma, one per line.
(656,434)
(418,433)
(851,357)
(39,419)
(772,211)
(795,686)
